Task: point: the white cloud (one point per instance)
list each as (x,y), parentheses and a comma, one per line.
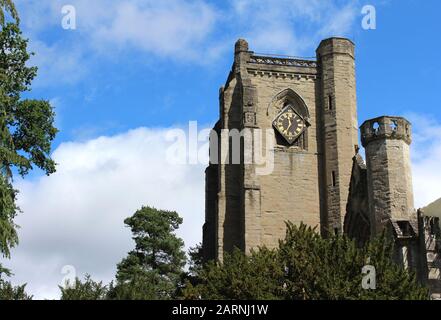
(194,31)
(58,63)
(339,21)
(75,217)
(164,28)
(173,29)
(292,27)
(426,155)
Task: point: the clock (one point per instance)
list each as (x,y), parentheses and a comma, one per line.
(289,124)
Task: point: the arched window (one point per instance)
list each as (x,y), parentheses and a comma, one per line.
(285,101)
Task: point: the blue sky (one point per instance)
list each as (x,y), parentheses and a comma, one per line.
(110,87)
(134,68)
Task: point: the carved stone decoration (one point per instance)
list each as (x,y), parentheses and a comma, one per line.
(285,97)
(249,119)
(283,61)
(249,104)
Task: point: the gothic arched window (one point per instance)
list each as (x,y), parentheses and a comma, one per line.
(290,118)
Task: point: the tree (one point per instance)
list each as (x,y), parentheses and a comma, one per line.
(9,292)
(318,268)
(7,6)
(257,276)
(190,279)
(87,290)
(153,269)
(306,266)
(196,260)
(26,126)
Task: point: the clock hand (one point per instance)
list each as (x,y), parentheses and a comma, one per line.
(289,124)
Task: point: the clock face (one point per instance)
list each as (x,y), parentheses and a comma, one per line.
(289,124)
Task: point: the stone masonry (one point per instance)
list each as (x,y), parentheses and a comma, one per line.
(318,178)
(310,180)
(389,176)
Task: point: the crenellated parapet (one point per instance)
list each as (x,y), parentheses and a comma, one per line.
(386,127)
(279,61)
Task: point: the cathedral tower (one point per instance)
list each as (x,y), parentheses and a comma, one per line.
(301,115)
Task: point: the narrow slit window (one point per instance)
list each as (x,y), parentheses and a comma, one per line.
(334,179)
(330,103)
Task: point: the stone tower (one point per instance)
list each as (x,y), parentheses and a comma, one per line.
(390,191)
(310,171)
(340,126)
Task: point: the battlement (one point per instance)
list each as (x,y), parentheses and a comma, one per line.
(279,66)
(386,127)
(282,61)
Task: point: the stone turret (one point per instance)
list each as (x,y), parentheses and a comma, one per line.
(390,194)
(387,142)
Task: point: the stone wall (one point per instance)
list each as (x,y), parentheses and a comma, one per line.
(357,222)
(390,191)
(431,238)
(310,180)
(339,123)
(292,191)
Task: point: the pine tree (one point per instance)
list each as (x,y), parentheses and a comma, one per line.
(153,269)
(10,292)
(26,126)
(87,290)
(7,6)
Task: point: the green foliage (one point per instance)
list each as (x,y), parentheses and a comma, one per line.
(195,260)
(153,269)
(191,278)
(8,291)
(393,281)
(240,277)
(87,290)
(306,266)
(8,210)
(142,286)
(7,6)
(26,126)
